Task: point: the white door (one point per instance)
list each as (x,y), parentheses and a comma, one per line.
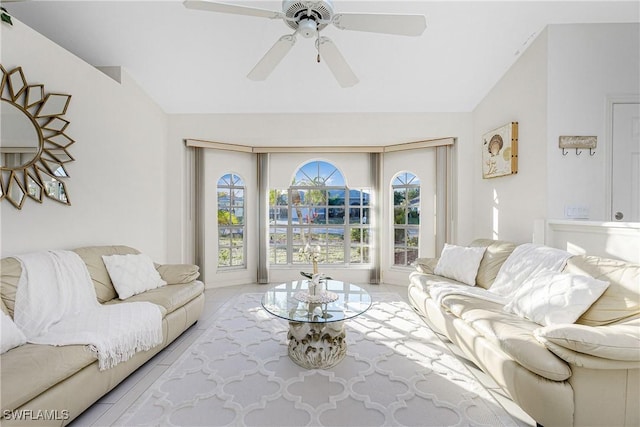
(625,175)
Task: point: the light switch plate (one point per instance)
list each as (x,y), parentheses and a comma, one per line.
(576,212)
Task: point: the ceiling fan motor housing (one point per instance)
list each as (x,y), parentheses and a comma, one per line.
(307,17)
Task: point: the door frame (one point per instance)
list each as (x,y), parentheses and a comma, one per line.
(608,146)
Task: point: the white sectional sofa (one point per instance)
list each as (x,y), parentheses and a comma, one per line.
(585,373)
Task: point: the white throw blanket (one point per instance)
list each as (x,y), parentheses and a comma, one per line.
(525,261)
(56,304)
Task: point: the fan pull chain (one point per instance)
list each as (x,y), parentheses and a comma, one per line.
(318,47)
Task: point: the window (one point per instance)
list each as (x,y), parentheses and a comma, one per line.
(231,223)
(318,208)
(406,218)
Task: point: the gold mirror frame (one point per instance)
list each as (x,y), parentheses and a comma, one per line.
(33,165)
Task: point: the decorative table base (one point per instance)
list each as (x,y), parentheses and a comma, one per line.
(323,297)
(317,345)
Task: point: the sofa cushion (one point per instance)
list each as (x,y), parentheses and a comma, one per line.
(52,365)
(460,263)
(494,256)
(4,308)
(425,265)
(616,342)
(169,298)
(550,298)
(425,281)
(512,334)
(621,300)
(92,256)
(10,270)
(132,274)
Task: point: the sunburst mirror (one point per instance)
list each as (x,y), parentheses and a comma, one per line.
(33,143)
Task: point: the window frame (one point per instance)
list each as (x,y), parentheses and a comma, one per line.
(406,227)
(323,210)
(235,183)
(444,204)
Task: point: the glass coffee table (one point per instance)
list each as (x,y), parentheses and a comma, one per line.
(316,330)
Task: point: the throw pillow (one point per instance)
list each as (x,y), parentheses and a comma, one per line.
(132,274)
(10,335)
(525,261)
(175,274)
(551,298)
(460,263)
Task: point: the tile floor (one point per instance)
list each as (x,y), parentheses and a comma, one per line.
(108,409)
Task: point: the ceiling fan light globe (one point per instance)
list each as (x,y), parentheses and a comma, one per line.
(307,28)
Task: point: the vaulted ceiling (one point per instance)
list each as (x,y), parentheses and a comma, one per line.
(196,62)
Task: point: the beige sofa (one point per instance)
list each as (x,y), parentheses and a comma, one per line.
(53,385)
(581,374)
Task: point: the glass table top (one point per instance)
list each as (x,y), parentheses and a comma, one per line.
(281,302)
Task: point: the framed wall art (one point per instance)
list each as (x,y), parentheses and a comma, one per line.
(500,151)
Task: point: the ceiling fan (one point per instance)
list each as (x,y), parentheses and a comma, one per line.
(308,18)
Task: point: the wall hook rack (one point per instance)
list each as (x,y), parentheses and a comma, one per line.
(591,152)
(578,143)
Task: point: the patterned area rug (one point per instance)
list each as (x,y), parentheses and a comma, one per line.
(396,372)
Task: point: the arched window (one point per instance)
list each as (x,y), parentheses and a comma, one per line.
(231,223)
(318,209)
(406,218)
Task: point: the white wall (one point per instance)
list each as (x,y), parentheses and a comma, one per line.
(117,185)
(506,207)
(587,64)
(559,86)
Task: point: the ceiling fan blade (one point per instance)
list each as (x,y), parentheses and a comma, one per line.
(402,25)
(336,62)
(272,58)
(231,8)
